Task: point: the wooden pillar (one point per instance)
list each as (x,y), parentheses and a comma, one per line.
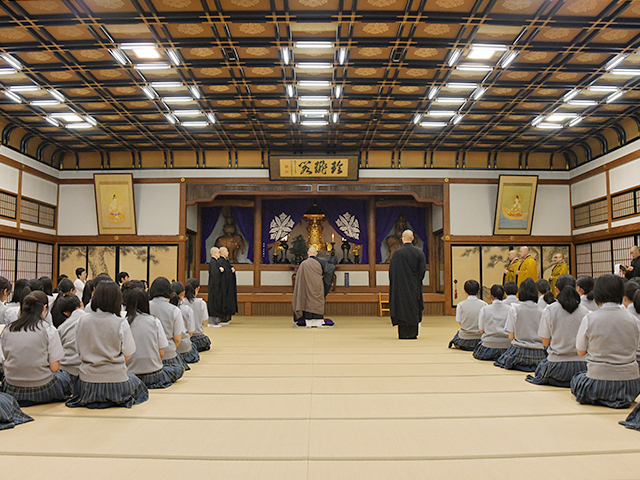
(182,245)
(446,214)
(371,232)
(257,240)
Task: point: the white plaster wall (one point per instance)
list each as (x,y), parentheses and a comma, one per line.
(276,278)
(356,279)
(9,178)
(157,209)
(204,277)
(625,176)
(35,228)
(472,208)
(192,218)
(589,189)
(243,278)
(593,228)
(552,215)
(40,189)
(8,223)
(77,210)
(626,221)
(437,220)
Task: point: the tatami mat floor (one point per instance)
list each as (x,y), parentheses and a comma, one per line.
(352,402)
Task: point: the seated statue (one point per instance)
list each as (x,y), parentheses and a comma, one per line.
(395,241)
(231,238)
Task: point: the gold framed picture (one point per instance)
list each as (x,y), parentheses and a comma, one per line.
(515,205)
(115,204)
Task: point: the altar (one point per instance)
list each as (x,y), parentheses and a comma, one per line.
(268,227)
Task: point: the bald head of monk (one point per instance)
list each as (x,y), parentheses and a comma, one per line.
(215,252)
(312,252)
(407,236)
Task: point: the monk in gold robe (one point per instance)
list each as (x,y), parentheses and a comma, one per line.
(510,272)
(560,268)
(528,267)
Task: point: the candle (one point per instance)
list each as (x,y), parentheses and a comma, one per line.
(333,237)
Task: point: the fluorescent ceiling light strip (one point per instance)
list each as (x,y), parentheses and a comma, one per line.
(91,120)
(475,68)
(416,118)
(11,61)
(568,96)
(615,61)
(433,91)
(293,117)
(314,83)
(120,57)
(549,126)
(314,123)
(45,103)
(614,96)
(334,117)
(195,91)
(499,48)
(24,88)
(152,66)
(449,100)
(171,118)
(173,56)
(454,56)
(537,120)
(603,88)
(342,56)
(481,53)
(479,93)
(559,117)
(57,95)
(79,126)
(433,124)
(286,55)
(166,84)
(508,59)
(462,86)
(211,117)
(321,98)
(314,112)
(290,91)
(325,45)
(66,116)
(582,103)
(13,96)
(337,91)
(441,113)
(187,113)
(7,71)
(177,99)
(315,66)
(627,72)
(456,120)
(194,124)
(575,121)
(52,121)
(148,92)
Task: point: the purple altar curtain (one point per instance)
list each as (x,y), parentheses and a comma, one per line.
(349,219)
(208,219)
(386,218)
(278,219)
(244,221)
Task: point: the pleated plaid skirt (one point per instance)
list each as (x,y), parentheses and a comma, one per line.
(176,361)
(608,393)
(201,341)
(520,358)
(468,345)
(192,356)
(57,389)
(633,419)
(105,395)
(485,353)
(10,413)
(163,378)
(556,374)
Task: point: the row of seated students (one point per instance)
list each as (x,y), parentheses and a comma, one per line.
(552,336)
(108,353)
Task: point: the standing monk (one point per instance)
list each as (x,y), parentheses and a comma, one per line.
(634,269)
(510,272)
(214,290)
(406,272)
(229,287)
(559,268)
(309,290)
(528,267)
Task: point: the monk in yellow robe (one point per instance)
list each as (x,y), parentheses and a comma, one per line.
(560,268)
(510,272)
(528,267)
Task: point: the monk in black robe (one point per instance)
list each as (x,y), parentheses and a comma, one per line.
(229,287)
(406,273)
(214,290)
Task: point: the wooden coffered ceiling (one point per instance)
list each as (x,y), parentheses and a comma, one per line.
(397,74)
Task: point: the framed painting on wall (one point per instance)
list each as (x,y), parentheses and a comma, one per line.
(115,204)
(516,201)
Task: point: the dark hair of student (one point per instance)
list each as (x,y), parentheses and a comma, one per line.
(528,290)
(510,288)
(471,287)
(17,291)
(497,291)
(636,300)
(61,277)
(193,282)
(608,288)
(543,286)
(26,291)
(121,276)
(176,289)
(101,278)
(189,292)
(5,285)
(107,297)
(127,287)
(79,271)
(35,284)
(568,297)
(586,283)
(160,287)
(68,303)
(548,298)
(630,289)
(87,293)
(137,302)
(635,279)
(47,285)
(65,286)
(30,312)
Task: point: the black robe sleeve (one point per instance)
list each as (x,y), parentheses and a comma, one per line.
(229,288)
(214,292)
(635,264)
(406,273)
